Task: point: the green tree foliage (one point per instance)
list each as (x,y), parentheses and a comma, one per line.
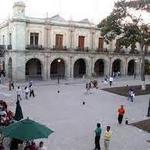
(127,28)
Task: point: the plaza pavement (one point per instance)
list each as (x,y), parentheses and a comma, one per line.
(74,123)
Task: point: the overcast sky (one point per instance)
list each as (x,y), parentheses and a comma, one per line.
(94,10)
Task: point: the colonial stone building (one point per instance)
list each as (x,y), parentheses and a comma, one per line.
(51,47)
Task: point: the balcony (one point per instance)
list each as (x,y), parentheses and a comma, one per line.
(102,50)
(9,46)
(61,48)
(82,49)
(34,47)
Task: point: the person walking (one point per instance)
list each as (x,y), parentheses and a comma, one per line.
(98,132)
(19,93)
(107,138)
(31,91)
(26,90)
(121,112)
(110,81)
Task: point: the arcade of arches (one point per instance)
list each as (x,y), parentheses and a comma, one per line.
(35,68)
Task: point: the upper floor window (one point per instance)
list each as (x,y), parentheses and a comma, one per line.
(34,38)
(100,43)
(81,42)
(59,41)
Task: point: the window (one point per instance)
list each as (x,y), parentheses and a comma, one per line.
(34,38)
(81,42)
(101,43)
(59,41)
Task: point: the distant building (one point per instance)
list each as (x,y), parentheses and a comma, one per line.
(51,47)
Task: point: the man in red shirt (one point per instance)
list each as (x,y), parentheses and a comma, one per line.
(121,112)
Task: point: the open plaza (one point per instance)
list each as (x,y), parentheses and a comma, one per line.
(74,123)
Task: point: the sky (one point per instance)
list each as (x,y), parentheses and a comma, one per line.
(94,10)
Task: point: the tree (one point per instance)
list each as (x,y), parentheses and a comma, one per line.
(128,29)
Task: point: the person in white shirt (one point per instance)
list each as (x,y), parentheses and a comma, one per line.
(41,146)
(110,80)
(107,138)
(19,93)
(26,90)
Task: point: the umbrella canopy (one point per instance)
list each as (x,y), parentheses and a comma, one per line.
(18,114)
(26,130)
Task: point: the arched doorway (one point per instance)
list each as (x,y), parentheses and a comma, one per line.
(131,67)
(99,67)
(10,68)
(33,69)
(57,68)
(79,68)
(147,67)
(116,66)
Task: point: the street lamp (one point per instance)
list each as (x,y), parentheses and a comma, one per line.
(58,61)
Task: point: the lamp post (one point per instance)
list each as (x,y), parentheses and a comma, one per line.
(58,62)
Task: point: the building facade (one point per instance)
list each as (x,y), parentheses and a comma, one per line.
(50,47)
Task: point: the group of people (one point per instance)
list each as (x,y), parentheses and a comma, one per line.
(107,134)
(107,137)
(131,95)
(32,146)
(91,84)
(6,116)
(108,80)
(28,91)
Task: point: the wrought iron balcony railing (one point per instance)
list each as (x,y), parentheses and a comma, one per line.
(57,47)
(82,49)
(34,47)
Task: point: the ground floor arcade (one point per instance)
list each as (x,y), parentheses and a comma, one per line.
(46,66)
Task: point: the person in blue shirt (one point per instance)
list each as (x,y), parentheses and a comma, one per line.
(98,132)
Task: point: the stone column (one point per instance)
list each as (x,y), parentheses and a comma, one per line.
(110,66)
(71,67)
(67,69)
(138,67)
(126,66)
(18,67)
(45,69)
(92,65)
(88,68)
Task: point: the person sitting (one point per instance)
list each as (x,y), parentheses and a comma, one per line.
(41,146)
(33,146)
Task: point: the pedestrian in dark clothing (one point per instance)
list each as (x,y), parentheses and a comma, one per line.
(98,132)
(31,91)
(121,112)
(12,84)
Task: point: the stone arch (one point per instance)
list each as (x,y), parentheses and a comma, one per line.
(99,67)
(79,68)
(10,68)
(147,67)
(131,67)
(33,69)
(116,65)
(57,68)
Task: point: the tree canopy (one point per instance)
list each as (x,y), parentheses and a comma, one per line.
(128,28)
